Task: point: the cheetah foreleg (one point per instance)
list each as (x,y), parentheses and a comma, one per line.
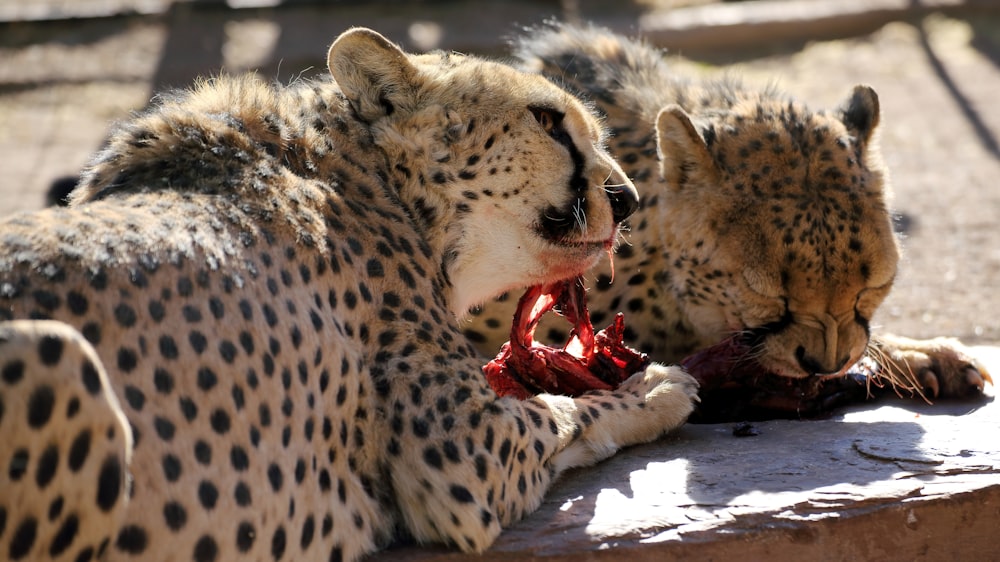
(64,445)
(596,425)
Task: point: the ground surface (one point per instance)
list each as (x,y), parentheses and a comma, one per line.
(63,82)
(896,481)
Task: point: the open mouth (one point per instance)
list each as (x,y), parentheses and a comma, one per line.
(588,361)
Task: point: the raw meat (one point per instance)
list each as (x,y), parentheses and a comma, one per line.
(589,361)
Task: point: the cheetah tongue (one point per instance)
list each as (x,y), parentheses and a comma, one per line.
(588,361)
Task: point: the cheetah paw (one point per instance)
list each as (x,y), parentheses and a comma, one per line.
(667,394)
(939,367)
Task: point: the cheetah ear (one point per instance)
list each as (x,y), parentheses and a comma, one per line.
(375,75)
(861,113)
(683,152)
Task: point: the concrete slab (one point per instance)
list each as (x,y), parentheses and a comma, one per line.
(891,481)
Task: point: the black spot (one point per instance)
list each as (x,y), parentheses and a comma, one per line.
(72,408)
(203,452)
(269,315)
(55,510)
(420,427)
(109,483)
(220,421)
(50,350)
(246,342)
(208,494)
(127,359)
(92,332)
(175,515)
(132,539)
(171,467)
(504,451)
(125,315)
(239,459)
(64,537)
(278,543)
(79,450)
(157,311)
(47,464)
(40,406)
(246,309)
(242,494)
(168,347)
(135,398)
(308,530)
(461,494)
(191,314)
(206,379)
(482,468)
(275,477)
(164,428)
(47,300)
(184,287)
(451,451)
(216,307)
(163,381)
(245,535)
(188,408)
(77,303)
(18,464)
(374,268)
(536,418)
(206,550)
(23,539)
(300,471)
(227,350)
(238,399)
(433,457)
(12,371)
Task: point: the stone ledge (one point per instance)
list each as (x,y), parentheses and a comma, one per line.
(894,480)
(741,25)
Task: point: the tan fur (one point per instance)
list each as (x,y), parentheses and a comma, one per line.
(758,216)
(271,279)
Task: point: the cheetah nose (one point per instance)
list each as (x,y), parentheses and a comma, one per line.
(816,367)
(624,201)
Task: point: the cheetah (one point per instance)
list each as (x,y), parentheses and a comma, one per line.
(241,339)
(758,217)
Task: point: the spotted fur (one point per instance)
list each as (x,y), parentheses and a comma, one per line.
(241,339)
(758,216)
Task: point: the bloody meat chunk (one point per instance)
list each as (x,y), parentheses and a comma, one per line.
(588,361)
(734,387)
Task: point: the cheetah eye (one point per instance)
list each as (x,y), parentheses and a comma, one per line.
(548,118)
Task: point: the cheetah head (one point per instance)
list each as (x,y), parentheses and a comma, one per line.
(783,235)
(505,173)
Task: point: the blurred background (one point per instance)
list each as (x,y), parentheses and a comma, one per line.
(70,68)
